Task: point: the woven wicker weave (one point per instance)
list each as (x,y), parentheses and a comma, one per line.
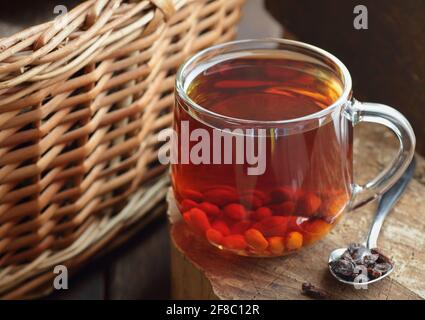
(81,102)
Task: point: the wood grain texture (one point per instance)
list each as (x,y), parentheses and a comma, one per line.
(202,272)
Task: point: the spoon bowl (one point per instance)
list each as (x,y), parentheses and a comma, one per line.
(337,253)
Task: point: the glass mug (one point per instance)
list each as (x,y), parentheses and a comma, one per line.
(262,150)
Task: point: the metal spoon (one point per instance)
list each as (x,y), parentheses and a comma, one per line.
(386,202)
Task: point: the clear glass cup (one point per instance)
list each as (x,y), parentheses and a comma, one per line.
(235,92)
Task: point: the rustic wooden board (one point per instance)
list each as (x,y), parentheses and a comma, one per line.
(200,271)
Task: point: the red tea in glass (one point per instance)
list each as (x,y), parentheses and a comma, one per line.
(304,181)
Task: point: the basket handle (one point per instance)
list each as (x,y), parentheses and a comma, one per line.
(165,9)
(166,6)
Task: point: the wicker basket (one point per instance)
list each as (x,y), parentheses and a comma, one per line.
(81,102)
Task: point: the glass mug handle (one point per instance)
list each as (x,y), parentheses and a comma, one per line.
(381,114)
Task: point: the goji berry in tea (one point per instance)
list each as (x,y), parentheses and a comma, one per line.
(273,226)
(186,218)
(214,236)
(276,245)
(192,195)
(256,240)
(197,220)
(234,242)
(251,201)
(308,204)
(236,211)
(221,197)
(221,226)
(314,230)
(240,227)
(287,219)
(261,213)
(294,240)
(210,209)
(188,204)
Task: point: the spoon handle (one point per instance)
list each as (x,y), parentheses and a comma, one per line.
(386,202)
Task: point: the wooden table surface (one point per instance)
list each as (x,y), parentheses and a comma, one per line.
(200,271)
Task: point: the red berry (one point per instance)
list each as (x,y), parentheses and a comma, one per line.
(240,227)
(236,242)
(236,211)
(251,201)
(273,226)
(188,204)
(214,236)
(197,220)
(308,204)
(210,209)
(262,213)
(256,240)
(192,194)
(221,197)
(186,218)
(221,226)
